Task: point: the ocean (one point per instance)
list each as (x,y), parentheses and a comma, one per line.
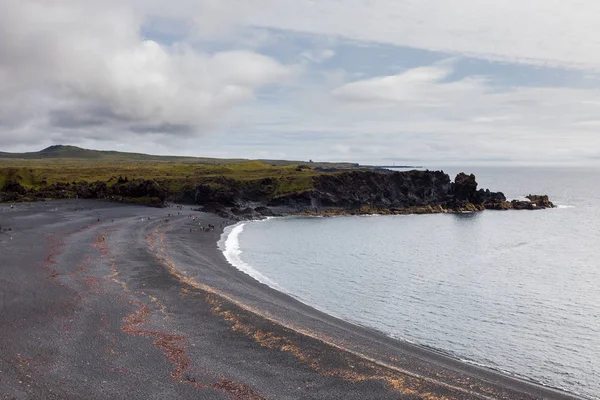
(515,291)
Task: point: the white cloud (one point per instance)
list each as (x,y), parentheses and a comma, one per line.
(543,32)
(421,115)
(84,64)
(423,85)
(87,72)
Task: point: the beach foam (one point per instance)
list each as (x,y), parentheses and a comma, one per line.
(230,246)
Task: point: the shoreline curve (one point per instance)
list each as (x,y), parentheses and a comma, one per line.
(104,299)
(229,245)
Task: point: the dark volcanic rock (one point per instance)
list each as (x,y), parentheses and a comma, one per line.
(294,200)
(522,205)
(83,190)
(206,194)
(356,189)
(534,202)
(218,209)
(485,197)
(393,191)
(365,191)
(541,201)
(14,187)
(502,205)
(237,213)
(12,191)
(135,189)
(266,212)
(465,188)
(140,191)
(235,193)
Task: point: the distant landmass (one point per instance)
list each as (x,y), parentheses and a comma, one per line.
(400,166)
(74,152)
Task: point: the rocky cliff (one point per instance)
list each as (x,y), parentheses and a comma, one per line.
(141,191)
(354,192)
(362,192)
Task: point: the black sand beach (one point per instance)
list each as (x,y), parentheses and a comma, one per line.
(100,300)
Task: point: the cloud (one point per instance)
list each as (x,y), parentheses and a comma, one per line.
(303,79)
(425,115)
(76,65)
(423,85)
(536,32)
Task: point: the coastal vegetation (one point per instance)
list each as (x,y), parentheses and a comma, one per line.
(241,188)
(65,171)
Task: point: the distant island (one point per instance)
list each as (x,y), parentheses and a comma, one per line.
(243,189)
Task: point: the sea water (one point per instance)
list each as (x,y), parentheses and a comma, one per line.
(516,291)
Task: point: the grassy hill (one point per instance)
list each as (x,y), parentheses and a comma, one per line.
(74,152)
(40,172)
(77,153)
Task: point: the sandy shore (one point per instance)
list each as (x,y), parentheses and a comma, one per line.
(101,300)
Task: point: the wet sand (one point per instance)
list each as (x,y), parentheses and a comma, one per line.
(133,306)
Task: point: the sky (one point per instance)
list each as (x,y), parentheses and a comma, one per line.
(427,82)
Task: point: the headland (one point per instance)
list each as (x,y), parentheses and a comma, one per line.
(243,189)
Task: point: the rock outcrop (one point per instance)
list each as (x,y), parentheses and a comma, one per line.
(364,192)
(354,192)
(540,201)
(12,191)
(140,191)
(465,189)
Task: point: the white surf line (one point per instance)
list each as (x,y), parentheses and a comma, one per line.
(230,247)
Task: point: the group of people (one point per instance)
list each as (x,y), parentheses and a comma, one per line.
(193,218)
(207,228)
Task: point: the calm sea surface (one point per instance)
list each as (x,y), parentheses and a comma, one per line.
(517,291)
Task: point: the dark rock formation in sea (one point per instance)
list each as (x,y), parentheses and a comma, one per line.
(465,189)
(534,202)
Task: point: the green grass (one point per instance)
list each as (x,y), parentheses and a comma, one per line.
(62,152)
(67,164)
(37,174)
(20,173)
